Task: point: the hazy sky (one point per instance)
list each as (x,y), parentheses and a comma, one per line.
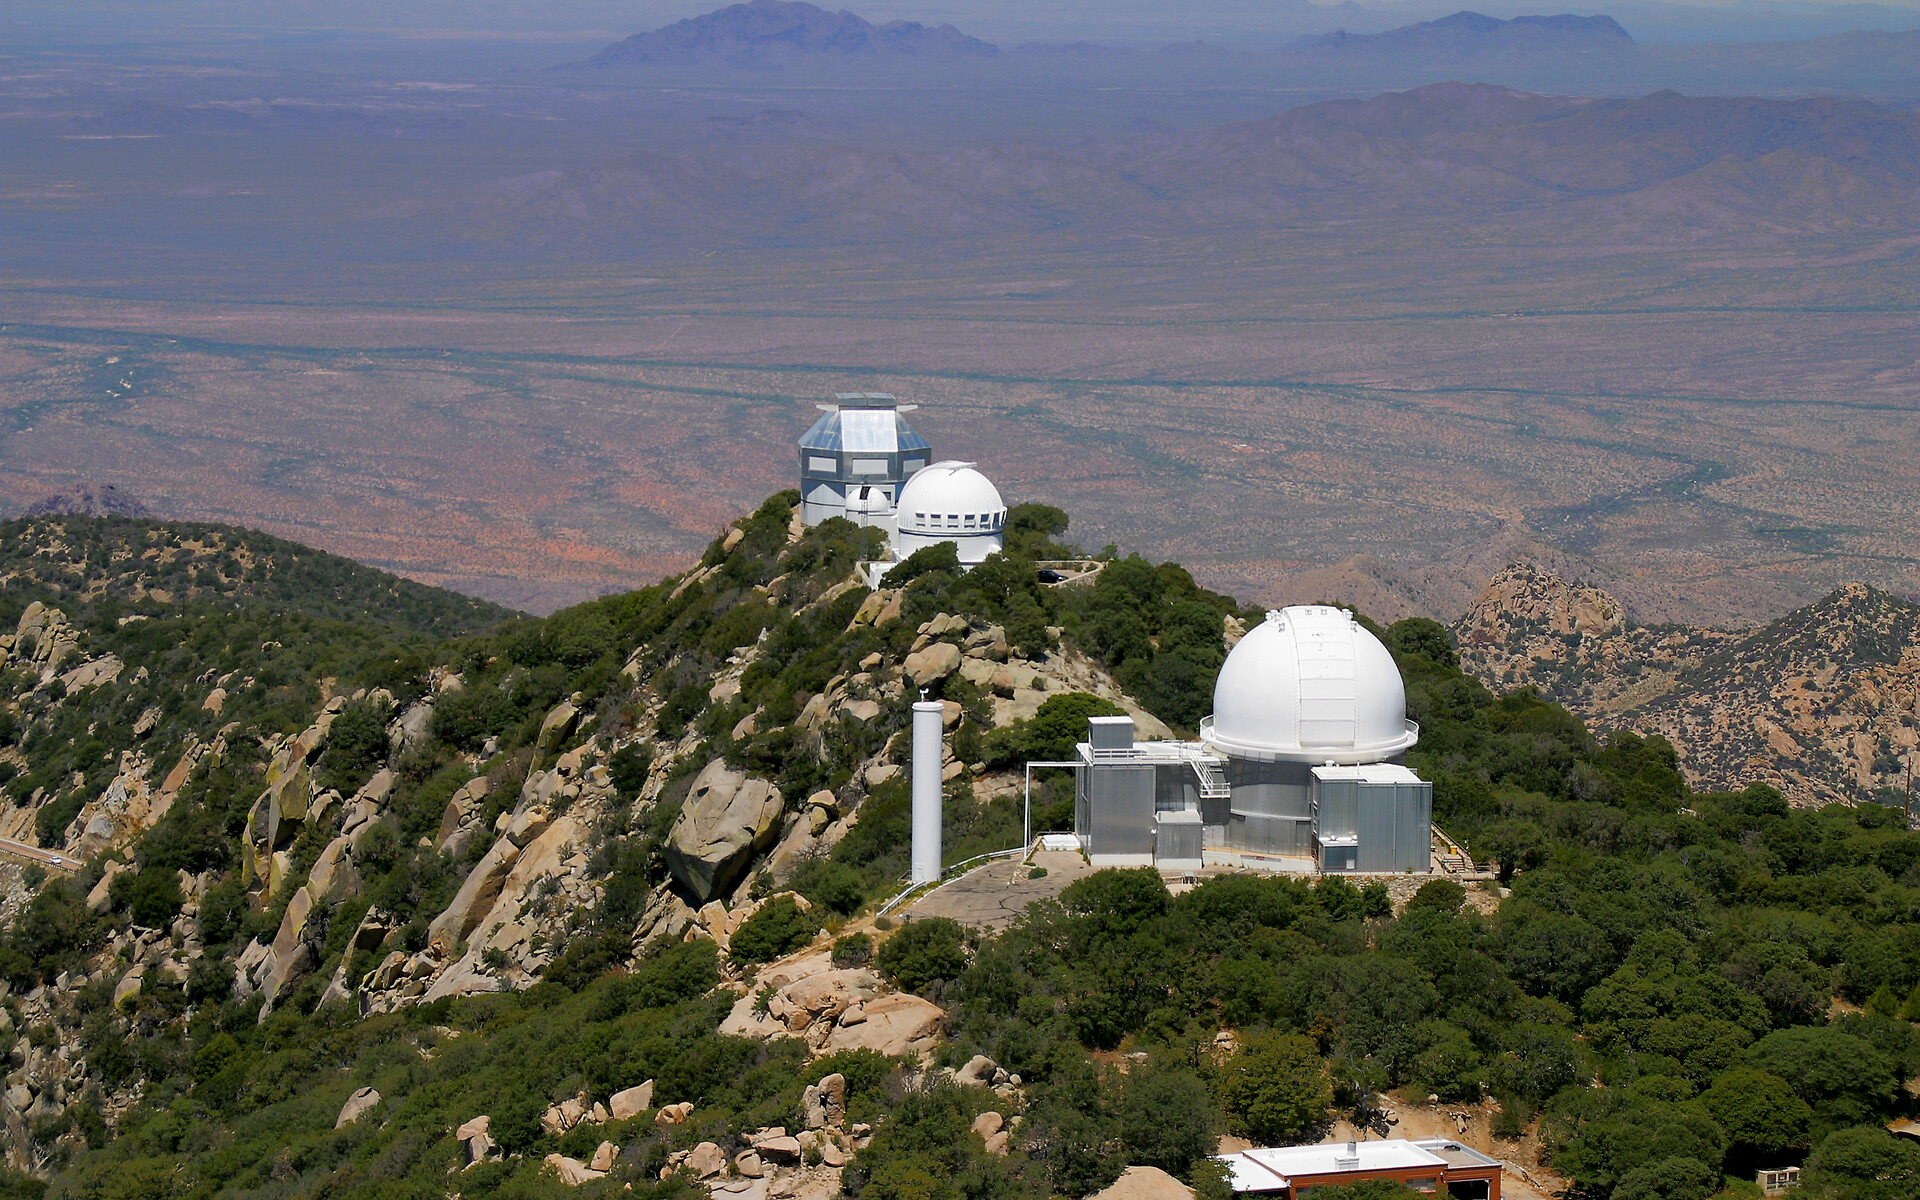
(25,22)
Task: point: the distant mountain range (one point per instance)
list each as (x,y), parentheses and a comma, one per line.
(1664,166)
(1562,53)
(776,33)
(1471,34)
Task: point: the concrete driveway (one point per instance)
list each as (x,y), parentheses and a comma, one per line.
(991,897)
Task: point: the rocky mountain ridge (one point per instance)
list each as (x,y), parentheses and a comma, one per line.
(1541,163)
(588,901)
(1820,703)
(278,837)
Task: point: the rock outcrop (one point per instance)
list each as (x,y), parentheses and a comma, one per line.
(1145,1183)
(628,1104)
(362,1102)
(823,1105)
(572,1171)
(923,668)
(727,819)
(838,1009)
(895,1025)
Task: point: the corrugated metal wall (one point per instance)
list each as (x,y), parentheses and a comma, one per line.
(1178,837)
(1392,821)
(1122,809)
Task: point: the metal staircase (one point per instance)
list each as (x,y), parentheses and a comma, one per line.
(1451,855)
(1213,781)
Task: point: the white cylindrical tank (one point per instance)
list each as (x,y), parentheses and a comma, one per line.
(1309,685)
(928,756)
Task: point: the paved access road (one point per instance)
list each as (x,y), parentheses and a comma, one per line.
(34,854)
(992,896)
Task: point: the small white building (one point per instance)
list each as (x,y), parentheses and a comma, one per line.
(1437,1166)
(950,502)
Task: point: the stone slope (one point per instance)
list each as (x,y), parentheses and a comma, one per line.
(1820,703)
(480,839)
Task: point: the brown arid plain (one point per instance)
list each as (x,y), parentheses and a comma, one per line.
(1369,353)
(1709,467)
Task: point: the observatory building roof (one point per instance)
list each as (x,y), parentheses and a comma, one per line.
(948,496)
(862,423)
(1309,684)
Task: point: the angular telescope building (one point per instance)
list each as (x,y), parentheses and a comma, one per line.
(857,457)
(1296,770)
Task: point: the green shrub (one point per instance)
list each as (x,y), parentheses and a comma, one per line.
(356,748)
(50,933)
(683,971)
(834,886)
(1050,734)
(151,896)
(1863,1163)
(463,719)
(50,823)
(779,927)
(923,951)
(1275,1089)
(941,558)
(1450,1066)
(854,950)
(629,766)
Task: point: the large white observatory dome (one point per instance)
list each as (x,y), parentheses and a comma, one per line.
(1310,685)
(951,502)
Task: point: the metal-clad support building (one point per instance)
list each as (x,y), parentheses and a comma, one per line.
(1270,809)
(860,442)
(1139,804)
(1375,818)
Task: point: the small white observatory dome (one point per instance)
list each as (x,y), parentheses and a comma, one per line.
(1310,685)
(951,502)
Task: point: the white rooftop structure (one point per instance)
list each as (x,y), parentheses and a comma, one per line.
(1274,1169)
(951,502)
(1310,685)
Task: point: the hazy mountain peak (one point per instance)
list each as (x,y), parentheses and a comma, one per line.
(772,33)
(1471,32)
(89,500)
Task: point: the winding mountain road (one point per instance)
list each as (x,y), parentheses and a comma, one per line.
(35,854)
